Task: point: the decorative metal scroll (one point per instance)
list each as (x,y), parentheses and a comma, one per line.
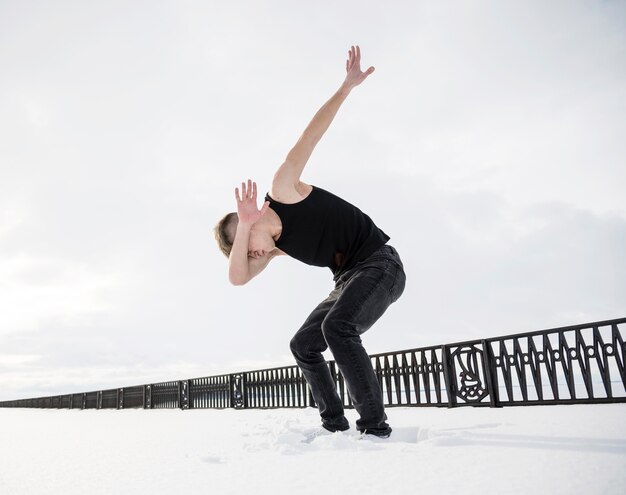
(147,397)
(237,391)
(184,394)
(469,364)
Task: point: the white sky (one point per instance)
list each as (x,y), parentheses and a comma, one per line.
(489,144)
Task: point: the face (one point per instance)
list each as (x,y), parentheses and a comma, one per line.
(261,241)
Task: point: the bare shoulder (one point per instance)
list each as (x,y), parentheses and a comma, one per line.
(285,191)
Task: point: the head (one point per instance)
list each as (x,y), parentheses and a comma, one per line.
(260,243)
(225,231)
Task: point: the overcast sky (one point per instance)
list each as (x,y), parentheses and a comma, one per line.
(489,144)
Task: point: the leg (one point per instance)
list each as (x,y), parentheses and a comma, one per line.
(366,293)
(307,346)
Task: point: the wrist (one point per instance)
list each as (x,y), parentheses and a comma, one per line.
(244,226)
(345,89)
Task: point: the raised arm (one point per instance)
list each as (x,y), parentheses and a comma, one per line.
(288,175)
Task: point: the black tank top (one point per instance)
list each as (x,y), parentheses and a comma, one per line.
(325,230)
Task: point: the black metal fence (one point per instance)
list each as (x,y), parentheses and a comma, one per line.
(568,365)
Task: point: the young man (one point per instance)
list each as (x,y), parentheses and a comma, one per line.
(319,228)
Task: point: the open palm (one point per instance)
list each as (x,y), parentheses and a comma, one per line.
(247,210)
(355,75)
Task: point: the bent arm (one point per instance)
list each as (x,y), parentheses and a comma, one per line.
(241,267)
(239,272)
(288,174)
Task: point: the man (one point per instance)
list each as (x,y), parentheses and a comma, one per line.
(321,229)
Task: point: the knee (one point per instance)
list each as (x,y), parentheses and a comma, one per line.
(307,351)
(301,346)
(338,330)
(295,345)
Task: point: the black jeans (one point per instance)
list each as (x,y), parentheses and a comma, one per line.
(360,297)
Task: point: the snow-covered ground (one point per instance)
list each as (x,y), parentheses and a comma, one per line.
(545,449)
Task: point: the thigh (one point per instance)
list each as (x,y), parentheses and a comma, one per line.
(367,294)
(309,335)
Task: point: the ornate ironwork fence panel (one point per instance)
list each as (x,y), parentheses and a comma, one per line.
(133,397)
(76,401)
(91,400)
(210,392)
(276,387)
(412,378)
(165,395)
(109,399)
(468,382)
(569,365)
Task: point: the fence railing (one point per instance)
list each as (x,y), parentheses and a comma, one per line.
(568,365)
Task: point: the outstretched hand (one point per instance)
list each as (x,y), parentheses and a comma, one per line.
(247,210)
(355,75)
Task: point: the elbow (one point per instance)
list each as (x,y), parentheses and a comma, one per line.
(237,275)
(237,281)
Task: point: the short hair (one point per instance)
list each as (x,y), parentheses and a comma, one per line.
(224,241)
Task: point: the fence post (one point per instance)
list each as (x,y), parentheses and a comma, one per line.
(147,397)
(183,394)
(449,375)
(491,378)
(189,397)
(238,399)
